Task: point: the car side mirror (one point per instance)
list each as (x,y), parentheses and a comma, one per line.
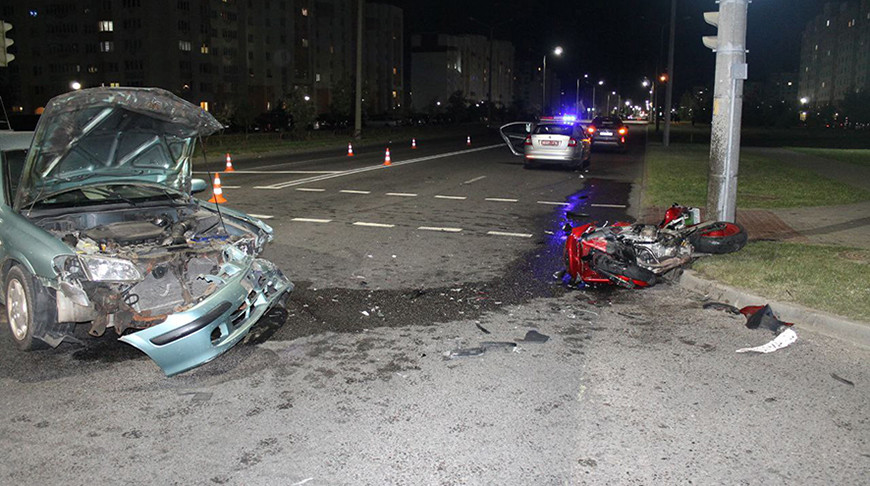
(198,185)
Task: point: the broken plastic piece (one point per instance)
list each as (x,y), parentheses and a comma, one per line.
(841,379)
(535,337)
(485,330)
(497,345)
(784,339)
(762,317)
(465,353)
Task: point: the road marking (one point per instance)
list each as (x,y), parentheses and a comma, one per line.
(435,228)
(500,233)
(471,181)
(311,220)
(374,225)
(310,189)
(500,199)
(401,194)
(322,177)
(551,203)
(237,171)
(609,205)
(230,187)
(352,191)
(458,198)
(261,216)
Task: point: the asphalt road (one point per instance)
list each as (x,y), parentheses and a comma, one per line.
(400,358)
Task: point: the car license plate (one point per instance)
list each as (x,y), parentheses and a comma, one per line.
(552,143)
(606,134)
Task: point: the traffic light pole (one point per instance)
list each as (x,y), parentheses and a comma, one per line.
(731,71)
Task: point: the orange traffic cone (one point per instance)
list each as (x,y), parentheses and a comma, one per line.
(349,150)
(217,193)
(468,141)
(387,158)
(413,143)
(229,164)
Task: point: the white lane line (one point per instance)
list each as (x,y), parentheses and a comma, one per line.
(230,187)
(551,203)
(401,194)
(352,191)
(311,220)
(374,225)
(609,205)
(471,181)
(435,228)
(271,172)
(458,198)
(500,199)
(261,216)
(500,233)
(316,178)
(310,189)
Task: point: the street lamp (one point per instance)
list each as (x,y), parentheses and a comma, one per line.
(75,85)
(600,83)
(558,52)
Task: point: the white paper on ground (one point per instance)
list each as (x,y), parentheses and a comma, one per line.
(784,339)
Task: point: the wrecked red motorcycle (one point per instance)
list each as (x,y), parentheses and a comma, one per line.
(637,255)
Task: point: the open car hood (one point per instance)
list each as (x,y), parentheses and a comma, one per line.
(113,135)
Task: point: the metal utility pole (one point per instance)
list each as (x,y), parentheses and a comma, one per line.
(357,121)
(544,87)
(731,71)
(669,92)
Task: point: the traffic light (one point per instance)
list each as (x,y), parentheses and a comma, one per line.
(5,56)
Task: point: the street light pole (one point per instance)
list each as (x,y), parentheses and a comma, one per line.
(544,87)
(669,93)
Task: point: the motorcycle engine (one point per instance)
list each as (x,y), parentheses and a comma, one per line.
(657,250)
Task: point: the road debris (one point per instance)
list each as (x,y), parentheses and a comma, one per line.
(721,306)
(784,339)
(535,337)
(763,317)
(485,330)
(464,353)
(842,380)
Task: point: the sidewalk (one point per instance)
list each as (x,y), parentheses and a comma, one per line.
(846,225)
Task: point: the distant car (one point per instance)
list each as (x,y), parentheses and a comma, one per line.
(608,131)
(99,228)
(552,140)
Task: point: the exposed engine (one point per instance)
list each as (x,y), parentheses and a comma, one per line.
(181,254)
(658,250)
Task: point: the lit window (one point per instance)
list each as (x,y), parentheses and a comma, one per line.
(184,45)
(107,46)
(114,85)
(317,77)
(395,70)
(203,105)
(395,94)
(106,26)
(305,12)
(204,49)
(828,23)
(34,13)
(304,42)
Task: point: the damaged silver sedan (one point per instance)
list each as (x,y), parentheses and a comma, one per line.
(99,228)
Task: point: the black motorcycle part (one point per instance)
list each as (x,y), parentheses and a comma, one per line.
(626,272)
(719,237)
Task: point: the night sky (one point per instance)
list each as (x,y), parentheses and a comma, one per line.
(620,41)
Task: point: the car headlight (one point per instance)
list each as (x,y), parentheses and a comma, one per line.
(104,269)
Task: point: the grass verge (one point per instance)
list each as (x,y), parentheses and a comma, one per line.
(851,156)
(679,174)
(827,278)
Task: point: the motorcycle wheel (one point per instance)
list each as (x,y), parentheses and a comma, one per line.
(628,274)
(719,237)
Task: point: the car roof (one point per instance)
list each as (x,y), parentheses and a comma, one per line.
(10,140)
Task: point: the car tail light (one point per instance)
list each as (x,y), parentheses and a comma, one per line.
(623,131)
(527,141)
(591,130)
(572,143)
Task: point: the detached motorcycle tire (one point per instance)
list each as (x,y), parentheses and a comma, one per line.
(629,274)
(719,237)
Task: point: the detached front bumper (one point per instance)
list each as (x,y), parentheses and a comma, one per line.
(196,336)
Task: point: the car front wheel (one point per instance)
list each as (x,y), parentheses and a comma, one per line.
(20,308)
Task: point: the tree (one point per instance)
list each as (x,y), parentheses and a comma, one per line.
(301,111)
(856,106)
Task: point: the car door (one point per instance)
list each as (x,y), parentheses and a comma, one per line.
(514,135)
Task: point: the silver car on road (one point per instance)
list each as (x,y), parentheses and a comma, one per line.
(552,140)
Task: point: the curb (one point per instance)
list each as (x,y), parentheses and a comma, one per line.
(853,332)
